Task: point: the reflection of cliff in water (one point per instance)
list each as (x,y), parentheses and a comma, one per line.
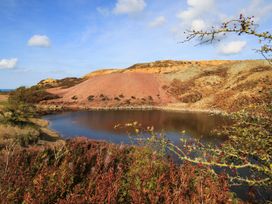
(195,124)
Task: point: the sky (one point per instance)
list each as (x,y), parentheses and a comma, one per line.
(63,38)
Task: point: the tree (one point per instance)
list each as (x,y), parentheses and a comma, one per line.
(240,26)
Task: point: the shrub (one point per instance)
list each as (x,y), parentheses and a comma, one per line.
(90,98)
(30,95)
(191,97)
(28,139)
(105,98)
(127,101)
(17,114)
(74,98)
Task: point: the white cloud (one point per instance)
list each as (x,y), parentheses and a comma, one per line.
(39,41)
(8,63)
(198,15)
(258,9)
(157,22)
(198,25)
(196,9)
(233,47)
(129,6)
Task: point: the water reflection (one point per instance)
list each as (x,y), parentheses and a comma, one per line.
(100,124)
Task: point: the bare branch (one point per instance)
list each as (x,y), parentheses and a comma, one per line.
(242,25)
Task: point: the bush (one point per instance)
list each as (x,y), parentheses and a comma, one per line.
(74,98)
(30,95)
(28,139)
(105,98)
(127,101)
(90,98)
(191,97)
(17,114)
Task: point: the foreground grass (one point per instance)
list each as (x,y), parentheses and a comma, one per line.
(84,171)
(33,134)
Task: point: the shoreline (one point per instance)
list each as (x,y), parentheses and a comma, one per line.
(63,108)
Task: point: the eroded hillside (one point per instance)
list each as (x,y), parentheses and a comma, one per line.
(221,85)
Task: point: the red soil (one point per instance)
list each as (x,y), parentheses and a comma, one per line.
(138,88)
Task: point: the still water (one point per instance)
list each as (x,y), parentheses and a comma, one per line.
(99,125)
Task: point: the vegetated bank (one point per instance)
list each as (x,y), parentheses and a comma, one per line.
(20,123)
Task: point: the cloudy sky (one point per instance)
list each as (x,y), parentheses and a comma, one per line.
(60,38)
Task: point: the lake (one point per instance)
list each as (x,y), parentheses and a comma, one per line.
(99,125)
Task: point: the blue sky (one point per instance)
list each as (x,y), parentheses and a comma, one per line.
(61,38)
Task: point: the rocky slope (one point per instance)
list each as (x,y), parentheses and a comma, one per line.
(223,85)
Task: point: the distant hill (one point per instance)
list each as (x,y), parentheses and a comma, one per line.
(5,90)
(223,85)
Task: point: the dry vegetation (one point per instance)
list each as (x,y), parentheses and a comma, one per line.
(3,100)
(83,171)
(63,83)
(19,122)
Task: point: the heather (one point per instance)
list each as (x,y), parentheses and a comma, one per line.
(85,171)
